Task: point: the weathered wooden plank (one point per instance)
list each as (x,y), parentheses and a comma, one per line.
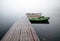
(32,31)
(21,31)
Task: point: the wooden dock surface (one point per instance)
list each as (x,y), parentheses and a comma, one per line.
(22,30)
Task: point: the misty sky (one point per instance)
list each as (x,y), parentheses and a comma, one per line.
(19,7)
(14,9)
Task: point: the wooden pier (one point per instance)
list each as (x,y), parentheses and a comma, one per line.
(22,30)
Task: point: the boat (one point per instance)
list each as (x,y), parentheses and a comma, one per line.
(36,17)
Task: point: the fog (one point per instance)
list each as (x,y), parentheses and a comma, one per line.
(11,10)
(16,8)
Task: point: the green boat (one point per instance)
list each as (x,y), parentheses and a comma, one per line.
(36,17)
(41,19)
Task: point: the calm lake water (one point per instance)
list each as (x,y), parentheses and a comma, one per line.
(51,31)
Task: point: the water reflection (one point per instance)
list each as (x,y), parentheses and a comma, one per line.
(38,22)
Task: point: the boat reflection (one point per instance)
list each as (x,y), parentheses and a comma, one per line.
(38,22)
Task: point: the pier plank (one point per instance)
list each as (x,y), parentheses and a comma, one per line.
(22,30)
